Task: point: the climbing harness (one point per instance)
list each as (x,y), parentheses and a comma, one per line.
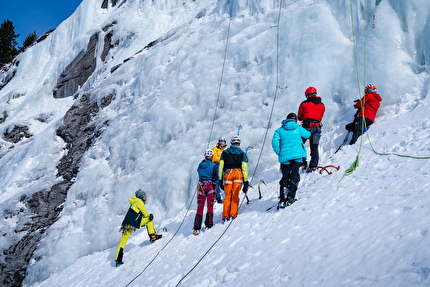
(222,75)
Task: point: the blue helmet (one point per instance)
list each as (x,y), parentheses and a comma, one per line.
(140,193)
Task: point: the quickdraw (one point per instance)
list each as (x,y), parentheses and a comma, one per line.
(127,228)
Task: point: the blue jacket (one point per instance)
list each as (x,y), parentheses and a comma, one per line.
(207,170)
(287,142)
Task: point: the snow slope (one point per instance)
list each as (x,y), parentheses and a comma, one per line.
(368,229)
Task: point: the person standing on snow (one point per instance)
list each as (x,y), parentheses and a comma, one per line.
(208,176)
(287,142)
(136,217)
(218,149)
(368,107)
(311,113)
(234,167)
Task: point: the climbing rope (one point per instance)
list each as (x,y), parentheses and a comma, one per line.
(209,139)
(276,91)
(354,165)
(222,74)
(265,136)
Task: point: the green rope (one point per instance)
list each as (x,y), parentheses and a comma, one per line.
(354,165)
(396,154)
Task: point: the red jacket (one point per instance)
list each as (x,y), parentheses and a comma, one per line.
(311,109)
(371,104)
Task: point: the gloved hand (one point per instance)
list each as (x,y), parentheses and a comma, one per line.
(304,163)
(245,187)
(151,217)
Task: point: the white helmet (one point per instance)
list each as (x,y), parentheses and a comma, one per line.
(235,139)
(209,152)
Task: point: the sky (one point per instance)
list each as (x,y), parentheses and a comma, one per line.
(40,16)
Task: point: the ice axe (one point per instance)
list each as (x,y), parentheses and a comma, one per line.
(259,190)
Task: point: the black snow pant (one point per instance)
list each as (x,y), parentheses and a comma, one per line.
(289,181)
(356,127)
(313,143)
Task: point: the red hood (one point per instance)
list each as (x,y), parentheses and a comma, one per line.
(376,95)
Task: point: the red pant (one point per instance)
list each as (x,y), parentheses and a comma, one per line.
(206,192)
(233,179)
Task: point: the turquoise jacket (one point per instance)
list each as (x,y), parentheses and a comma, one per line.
(287,142)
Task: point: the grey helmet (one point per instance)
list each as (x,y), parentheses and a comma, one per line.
(235,140)
(209,153)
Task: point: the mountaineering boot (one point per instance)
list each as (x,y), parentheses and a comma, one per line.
(290,201)
(196,232)
(281,204)
(118,261)
(219,200)
(154,236)
(310,169)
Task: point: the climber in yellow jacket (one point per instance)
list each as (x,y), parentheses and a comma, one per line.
(136,217)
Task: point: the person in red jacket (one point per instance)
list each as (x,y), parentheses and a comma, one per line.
(311,113)
(367,108)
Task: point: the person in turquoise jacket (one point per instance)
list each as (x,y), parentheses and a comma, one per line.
(287,142)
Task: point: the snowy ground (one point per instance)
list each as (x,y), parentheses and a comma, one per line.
(370,229)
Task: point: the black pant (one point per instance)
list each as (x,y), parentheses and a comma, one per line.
(313,143)
(356,127)
(290,180)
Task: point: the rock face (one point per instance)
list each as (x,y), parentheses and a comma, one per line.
(3,117)
(82,67)
(77,72)
(43,208)
(8,71)
(112,3)
(16,134)
(80,130)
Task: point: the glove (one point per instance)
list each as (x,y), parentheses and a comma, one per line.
(245,187)
(151,217)
(304,163)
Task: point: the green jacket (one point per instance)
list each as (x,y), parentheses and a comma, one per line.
(135,213)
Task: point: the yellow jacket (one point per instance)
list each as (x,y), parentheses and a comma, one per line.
(136,213)
(217,153)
